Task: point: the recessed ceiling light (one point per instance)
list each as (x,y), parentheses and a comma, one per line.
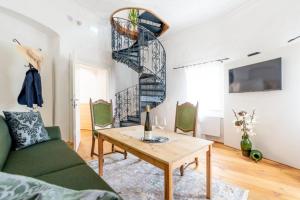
(79,23)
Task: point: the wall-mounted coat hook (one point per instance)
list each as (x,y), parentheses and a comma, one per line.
(28,66)
(15,40)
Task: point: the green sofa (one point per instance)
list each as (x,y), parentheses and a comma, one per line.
(52,161)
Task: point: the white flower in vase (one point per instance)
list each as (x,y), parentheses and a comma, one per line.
(244,123)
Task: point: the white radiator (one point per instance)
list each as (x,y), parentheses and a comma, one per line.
(212,126)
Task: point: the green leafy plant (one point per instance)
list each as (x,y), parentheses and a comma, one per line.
(133,17)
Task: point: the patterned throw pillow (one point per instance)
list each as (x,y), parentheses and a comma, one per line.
(22,187)
(26,128)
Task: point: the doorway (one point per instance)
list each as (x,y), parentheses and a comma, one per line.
(90,83)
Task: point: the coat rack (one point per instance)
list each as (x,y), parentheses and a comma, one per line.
(17,41)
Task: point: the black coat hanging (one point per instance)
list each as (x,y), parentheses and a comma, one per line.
(31,92)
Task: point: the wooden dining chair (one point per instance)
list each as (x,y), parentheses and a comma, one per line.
(102,118)
(186,121)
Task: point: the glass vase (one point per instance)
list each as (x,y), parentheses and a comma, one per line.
(246,145)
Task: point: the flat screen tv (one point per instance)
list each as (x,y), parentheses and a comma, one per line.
(263,76)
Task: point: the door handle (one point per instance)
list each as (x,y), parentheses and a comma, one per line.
(74,102)
(74,105)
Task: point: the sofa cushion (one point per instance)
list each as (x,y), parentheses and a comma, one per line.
(54,132)
(26,128)
(80,177)
(5,142)
(41,159)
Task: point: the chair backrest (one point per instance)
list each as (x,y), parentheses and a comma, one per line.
(101,113)
(186,117)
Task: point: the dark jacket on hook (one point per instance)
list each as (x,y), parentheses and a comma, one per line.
(31,92)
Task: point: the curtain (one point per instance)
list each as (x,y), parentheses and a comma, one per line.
(205,84)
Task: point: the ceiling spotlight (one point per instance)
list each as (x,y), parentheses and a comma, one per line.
(79,23)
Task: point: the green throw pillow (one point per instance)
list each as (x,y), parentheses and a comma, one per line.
(26,128)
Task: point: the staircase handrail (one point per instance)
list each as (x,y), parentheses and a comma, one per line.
(116,19)
(141,27)
(125,40)
(129,105)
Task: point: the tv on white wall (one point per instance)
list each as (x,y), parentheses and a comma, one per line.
(263,76)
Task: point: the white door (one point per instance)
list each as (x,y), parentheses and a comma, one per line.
(75,77)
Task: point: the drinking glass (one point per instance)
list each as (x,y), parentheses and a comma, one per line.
(164,123)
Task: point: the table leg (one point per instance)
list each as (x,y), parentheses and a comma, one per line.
(168,183)
(208,172)
(100,152)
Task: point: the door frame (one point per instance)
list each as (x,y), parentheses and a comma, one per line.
(77,64)
(74,102)
(96,66)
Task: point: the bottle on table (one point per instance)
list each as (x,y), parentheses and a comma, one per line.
(148,125)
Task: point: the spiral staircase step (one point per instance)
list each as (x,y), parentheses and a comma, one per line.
(127,123)
(134,118)
(151,83)
(146,75)
(150,17)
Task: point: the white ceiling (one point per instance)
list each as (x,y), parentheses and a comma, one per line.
(178,13)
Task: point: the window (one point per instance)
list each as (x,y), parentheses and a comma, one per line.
(205,84)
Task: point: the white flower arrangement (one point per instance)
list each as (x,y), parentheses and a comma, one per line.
(244,122)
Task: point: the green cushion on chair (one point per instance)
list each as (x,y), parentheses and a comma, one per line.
(80,177)
(5,142)
(41,159)
(102,113)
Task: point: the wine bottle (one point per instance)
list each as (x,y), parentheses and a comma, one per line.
(148,126)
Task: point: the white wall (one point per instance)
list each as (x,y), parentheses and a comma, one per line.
(12,62)
(90,46)
(257,26)
(93,84)
(277,111)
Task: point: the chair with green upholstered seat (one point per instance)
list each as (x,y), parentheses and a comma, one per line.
(186,121)
(102,118)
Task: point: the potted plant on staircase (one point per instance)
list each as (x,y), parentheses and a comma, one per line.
(133,17)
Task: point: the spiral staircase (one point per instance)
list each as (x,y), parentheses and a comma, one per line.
(135,44)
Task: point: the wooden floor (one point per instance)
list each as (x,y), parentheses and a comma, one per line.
(265,180)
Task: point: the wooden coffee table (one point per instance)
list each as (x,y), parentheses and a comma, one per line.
(180,149)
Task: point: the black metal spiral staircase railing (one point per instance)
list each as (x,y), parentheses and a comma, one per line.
(137,46)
